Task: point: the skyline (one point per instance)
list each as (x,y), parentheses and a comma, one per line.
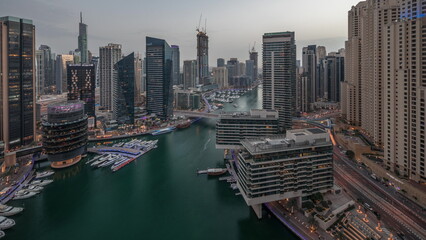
(57,24)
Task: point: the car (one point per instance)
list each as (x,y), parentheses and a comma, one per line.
(367,206)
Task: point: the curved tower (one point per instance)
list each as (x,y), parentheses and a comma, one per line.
(65,133)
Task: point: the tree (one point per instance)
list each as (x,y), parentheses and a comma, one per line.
(350,154)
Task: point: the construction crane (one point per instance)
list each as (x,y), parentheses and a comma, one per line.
(199,29)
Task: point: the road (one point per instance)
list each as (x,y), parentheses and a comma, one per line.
(394,213)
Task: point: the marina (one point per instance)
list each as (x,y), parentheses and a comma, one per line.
(82,201)
(120,154)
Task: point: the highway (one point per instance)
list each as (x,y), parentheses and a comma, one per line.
(394,212)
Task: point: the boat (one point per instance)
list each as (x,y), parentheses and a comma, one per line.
(216,171)
(9,210)
(44,174)
(33,188)
(235,105)
(2,234)
(163,131)
(41,183)
(23,194)
(6,223)
(184,125)
(120,164)
(94,159)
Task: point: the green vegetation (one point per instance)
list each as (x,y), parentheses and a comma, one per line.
(350,154)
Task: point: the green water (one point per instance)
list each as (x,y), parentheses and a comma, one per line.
(159,196)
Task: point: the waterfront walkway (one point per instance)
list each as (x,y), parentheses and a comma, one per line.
(21,178)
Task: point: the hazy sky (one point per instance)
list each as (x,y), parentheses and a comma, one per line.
(232,25)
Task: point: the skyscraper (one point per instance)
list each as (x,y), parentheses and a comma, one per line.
(202,56)
(334,75)
(254,57)
(309,63)
(232,66)
(189,73)
(81,85)
(159,84)
(108,57)
(220,76)
(82,41)
(364,92)
(405,91)
(62,60)
(250,70)
(124,90)
(176,64)
(279,76)
(45,74)
(17,73)
(220,62)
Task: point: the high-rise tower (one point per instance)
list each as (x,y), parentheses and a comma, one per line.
(108,57)
(82,40)
(202,56)
(159,84)
(17,73)
(279,76)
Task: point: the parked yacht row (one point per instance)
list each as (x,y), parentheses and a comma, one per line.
(146,146)
(31,189)
(28,190)
(118,160)
(106,160)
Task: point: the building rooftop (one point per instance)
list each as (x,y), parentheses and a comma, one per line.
(252,114)
(293,139)
(15,19)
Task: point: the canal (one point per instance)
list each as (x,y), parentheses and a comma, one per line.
(159,196)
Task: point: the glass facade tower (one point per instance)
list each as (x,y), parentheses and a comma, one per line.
(17,73)
(159,84)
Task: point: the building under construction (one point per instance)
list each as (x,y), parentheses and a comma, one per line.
(202,56)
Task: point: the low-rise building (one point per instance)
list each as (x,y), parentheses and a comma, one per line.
(233,127)
(294,165)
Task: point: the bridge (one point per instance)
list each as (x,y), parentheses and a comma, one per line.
(314,122)
(192,114)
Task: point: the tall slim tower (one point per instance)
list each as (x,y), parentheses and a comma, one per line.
(82,40)
(189,73)
(309,62)
(17,75)
(279,76)
(159,84)
(124,90)
(202,56)
(108,57)
(176,64)
(254,57)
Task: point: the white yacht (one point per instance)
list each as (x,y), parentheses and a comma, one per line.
(33,188)
(44,174)
(23,194)
(41,183)
(6,223)
(9,210)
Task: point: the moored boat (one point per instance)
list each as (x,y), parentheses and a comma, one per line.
(33,188)
(183,125)
(6,223)
(163,131)
(44,174)
(216,171)
(41,183)
(23,194)
(9,210)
